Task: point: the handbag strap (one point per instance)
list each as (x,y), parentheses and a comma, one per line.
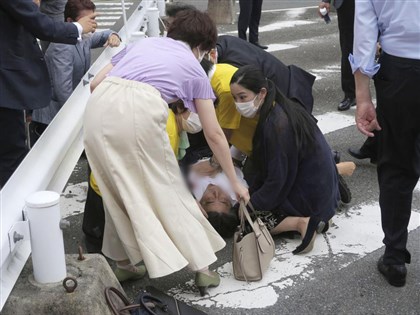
(244,211)
(111,304)
(151,303)
(254,212)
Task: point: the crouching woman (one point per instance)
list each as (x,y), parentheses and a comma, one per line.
(291,172)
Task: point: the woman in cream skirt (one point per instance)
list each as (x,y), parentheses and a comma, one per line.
(150,215)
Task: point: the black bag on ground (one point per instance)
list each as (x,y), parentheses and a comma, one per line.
(149,302)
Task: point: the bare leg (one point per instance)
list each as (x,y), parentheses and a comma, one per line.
(346,168)
(299,224)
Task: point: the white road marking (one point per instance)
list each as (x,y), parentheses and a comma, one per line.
(111,13)
(354,233)
(279,25)
(106,23)
(105,4)
(289,10)
(333,121)
(112,17)
(277,47)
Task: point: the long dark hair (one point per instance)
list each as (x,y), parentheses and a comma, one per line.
(301,122)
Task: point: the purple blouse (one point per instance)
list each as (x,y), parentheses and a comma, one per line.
(167,65)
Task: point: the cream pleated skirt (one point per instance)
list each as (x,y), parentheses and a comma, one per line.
(149,213)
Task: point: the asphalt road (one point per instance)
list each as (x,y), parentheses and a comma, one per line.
(339,276)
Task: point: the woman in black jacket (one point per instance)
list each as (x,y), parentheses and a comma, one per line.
(291,172)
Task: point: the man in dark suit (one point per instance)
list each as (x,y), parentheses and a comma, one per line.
(292,81)
(345,15)
(249,18)
(24,79)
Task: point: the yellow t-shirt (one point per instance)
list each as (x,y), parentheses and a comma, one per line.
(171,129)
(229,118)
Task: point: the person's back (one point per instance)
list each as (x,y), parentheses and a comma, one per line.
(172,73)
(307,181)
(291,80)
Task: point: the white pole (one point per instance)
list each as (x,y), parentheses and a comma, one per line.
(161,7)
(48,258)
(152,22)
(124,18)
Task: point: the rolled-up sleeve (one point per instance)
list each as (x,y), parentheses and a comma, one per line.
(197,88)
(365,39)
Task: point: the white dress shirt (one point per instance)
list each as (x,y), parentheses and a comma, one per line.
(397,22)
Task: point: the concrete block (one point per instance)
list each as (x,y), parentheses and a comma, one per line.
(93,275)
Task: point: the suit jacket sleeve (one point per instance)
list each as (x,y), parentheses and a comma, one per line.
(27,14)
(99,38)
(60,60)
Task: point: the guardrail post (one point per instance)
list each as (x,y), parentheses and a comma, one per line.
(48,258)
(153,22)
(135,36)
(161,7)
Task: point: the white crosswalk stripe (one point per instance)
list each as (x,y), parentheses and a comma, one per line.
(109,13)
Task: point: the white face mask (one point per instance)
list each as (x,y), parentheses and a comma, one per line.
(247,109)
(200,56)
(192,124)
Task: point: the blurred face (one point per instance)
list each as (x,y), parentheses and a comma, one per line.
(215,200)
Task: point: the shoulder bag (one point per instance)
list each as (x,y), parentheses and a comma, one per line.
(253,246)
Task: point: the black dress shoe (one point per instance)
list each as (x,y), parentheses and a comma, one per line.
(394,274)
(358,154)
(345,193)
(259,45)
(346,103)
(336,156)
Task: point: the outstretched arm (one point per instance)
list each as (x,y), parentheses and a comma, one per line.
(218,144)
(100,76)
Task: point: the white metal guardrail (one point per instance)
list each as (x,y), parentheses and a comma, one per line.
(51,161)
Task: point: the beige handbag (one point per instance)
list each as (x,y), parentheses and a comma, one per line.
(253,247)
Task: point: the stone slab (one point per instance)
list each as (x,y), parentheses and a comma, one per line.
(93,275)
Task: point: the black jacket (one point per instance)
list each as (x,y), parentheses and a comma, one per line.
(24,79)
(291,80)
